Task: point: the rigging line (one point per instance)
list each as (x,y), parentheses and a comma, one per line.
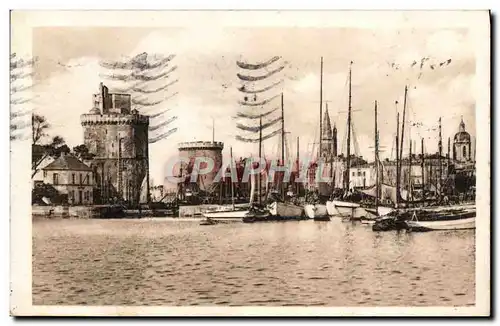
(259,65)
(355,140)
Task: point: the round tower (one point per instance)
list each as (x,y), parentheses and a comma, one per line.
(203,149)
(118,139)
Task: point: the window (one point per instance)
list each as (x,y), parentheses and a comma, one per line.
(72,196)
(44,173)
(353,173)
(81,178)
(73,178)
(359,173)
(364,173)
(88,178)
(55,178)
(464,152)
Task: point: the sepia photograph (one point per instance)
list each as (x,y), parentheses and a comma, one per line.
(250,163)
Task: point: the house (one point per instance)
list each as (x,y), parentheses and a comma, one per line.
(37,174)
(69,176)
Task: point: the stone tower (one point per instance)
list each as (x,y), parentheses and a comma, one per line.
(211,150)
(462,144)
(326,144)
(118,137)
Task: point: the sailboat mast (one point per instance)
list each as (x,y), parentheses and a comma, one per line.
(397,161)
(260,160)
(282,183)
(409,175)
(423,169)
(320,109)
(377,186)
(298,167)
(348,161)
(440,145)
(232,181)
(403,129)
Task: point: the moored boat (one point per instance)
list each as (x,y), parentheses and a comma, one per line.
(317,212)
(456,224)
(341,208)
(451,219)
(286,210)
(378,211)
(226,214)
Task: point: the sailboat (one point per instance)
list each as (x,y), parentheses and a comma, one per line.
(227,213)
(317,211)
(377,210)
(345,208)
(282,209)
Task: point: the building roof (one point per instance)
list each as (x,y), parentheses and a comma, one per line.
(67,162)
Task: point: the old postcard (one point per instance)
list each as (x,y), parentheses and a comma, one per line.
(240,163)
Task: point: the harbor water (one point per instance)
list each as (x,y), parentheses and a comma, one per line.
(168,262)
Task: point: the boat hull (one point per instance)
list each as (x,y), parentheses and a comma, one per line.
(226,216)
(381,211)
(459,224)
(315,211)
(344,209)
(285,210)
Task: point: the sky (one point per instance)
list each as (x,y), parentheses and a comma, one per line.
(67,73)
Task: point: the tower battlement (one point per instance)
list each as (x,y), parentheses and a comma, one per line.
(201,145)
(114,119)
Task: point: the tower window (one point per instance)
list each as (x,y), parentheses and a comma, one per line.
(464,149)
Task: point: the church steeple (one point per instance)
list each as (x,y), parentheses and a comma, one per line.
(327,126)
(334,139)
(326,135)
(461,127)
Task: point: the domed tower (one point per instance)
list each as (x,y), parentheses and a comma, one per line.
(118,137)
(462,144)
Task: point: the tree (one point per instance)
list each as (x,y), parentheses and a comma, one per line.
(82,152)
(40,152)
(39,126)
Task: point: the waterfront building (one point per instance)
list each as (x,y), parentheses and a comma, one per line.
(71,178)
(118,137)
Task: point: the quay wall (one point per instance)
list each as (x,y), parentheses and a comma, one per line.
(63,211)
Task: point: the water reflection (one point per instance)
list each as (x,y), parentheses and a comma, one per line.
(157,262)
